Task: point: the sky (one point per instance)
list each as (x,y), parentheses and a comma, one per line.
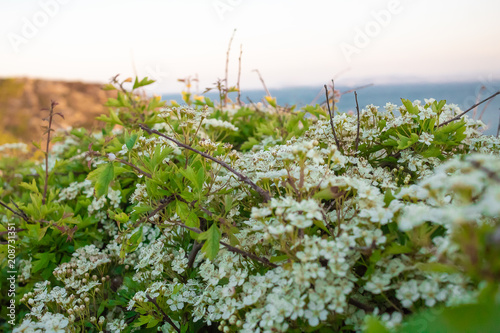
(290,42)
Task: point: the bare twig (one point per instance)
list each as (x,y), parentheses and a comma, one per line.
(331,116)
(498,129)
(227,65)
(263,83)
(484,109)
(239,76)
(254,105)
(165,316)
(357,110)
(478,98)
(230,247)
(355,89)
(471,108)
(491,174)
(49,129)
(265,195)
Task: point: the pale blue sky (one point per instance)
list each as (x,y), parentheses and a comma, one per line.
(290,42)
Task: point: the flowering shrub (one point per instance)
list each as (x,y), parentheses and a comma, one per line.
(252,219)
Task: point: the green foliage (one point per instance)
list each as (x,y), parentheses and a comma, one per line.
(272,224)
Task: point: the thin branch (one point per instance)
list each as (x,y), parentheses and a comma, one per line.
(484,109)
(227,64)
(230,247)
(471,108)
(265,195)
(263,83)
(355,89)
(498,129)
(249,255)
(163,204)
(15,230)
(331,115)
(192,255)
(165,316)
(360,305)
(254,105)
(239,76)
(49,129)
(357,110)
(14,212)
(491,174)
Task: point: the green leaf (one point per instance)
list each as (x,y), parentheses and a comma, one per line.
(396,248)
(182,209)
(328,193)
(409,106)
(432,151)
(406,142)
(132,243)
(144,82)
(43,260)
(212,238)
(101,178)
(388,197)
(465,318)
(143,320)
(36,144)
(114,118)
(436,267)
(374,325)
(278,258)
(130,141)
(30,187)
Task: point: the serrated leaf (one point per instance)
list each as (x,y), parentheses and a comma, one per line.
(144,82)
(211,244)
(30,186)
(101,178)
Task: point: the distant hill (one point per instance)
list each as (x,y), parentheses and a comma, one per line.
(21,100)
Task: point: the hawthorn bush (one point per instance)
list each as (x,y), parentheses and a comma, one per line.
(256,218)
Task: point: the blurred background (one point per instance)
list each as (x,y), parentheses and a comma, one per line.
(66,49)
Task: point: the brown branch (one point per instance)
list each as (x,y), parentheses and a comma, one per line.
(49,129)
(331,115)
(357,110)
(360,305)
(498,129)
(265,195)
(249,255)
(230,247)
(357,88)
(471,108)
(163,204)
(15,230)
(491,174)
(192,255)
(227,65)
(239,76)
(263,83)
(165,316)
